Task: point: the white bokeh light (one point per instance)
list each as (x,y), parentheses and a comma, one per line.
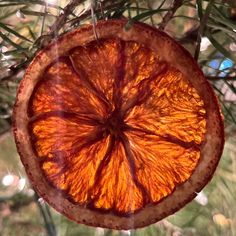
(52,1)
(41,201)
(126,232)
(21,184)
(99,232)
(232,47)
(8,180)
(30,192)
(201,198)
(204,43)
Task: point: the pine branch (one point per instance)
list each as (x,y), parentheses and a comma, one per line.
(14,70)
(61,20)
(169,15)
(16,201)
(106,6)
(54,29)
(49,224)
(217,78)
(203,22)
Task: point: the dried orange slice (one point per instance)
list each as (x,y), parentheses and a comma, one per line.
(119,131)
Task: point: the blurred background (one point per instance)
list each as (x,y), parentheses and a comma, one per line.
(207,29)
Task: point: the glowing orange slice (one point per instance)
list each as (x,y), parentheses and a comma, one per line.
(117,132)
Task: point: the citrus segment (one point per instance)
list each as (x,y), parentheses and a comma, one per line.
(54,134)
(158,169)
(116,130)
(79,177)
(118,192)
(173,109)
(105,55)
(140,63)
(69,153)
(60,88)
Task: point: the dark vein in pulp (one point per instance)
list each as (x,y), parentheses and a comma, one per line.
(83,77)
(133,171)
(167,138)
(76,117)
(98,175)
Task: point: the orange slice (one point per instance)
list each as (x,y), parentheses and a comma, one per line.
(119,131)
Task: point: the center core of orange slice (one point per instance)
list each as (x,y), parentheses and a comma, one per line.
(115,124)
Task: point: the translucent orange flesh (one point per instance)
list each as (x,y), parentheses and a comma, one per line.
(115,127)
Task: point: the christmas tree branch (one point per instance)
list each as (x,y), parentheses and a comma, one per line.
(14,70)
(217,78)
(203,22)
(61,20)
(16,201)
(169,15)
(109,7)
(49,224)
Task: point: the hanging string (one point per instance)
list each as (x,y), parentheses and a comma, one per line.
(94,20)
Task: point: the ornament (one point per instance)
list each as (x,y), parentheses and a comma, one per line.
(119,131)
